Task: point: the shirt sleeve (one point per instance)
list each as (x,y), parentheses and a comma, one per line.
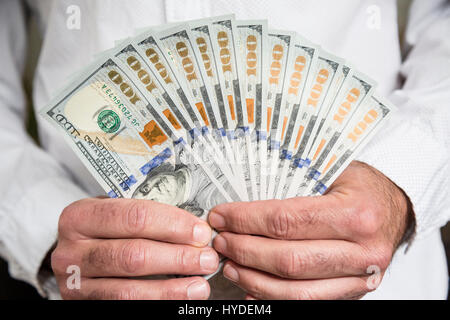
(413,148)
(35,187)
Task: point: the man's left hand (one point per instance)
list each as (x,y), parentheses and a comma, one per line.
(335,246)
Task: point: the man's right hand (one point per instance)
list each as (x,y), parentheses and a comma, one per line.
(111,240)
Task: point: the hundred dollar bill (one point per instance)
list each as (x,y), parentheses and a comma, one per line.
(200,32)
(359,131)
(301,158)
(251,46)
(225,54)
(355,90)
(323,76)
(280,46)
(180,50)
(302,59)
(148,46)
(109,125)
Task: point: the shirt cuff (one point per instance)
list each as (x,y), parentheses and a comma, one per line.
(406,151)
(30,230)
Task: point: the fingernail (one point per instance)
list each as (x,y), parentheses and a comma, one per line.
(216,220)
(220,244)
(230,273)
(202,233)
(209,261)
(197,290)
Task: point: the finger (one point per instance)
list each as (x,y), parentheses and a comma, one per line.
(130,218)
(192,288)
(305,259)
(137,257)
(324,217)
(265,286)
(250,297)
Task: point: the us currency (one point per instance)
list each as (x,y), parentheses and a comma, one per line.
(128,146)
(155,54)
(356,89)
(180,51)
(359,131)
(147,47)
(250,42)
(126,54)
(323,76)
(301,62)
(225,54)
(302,159)
(201,32)
(280,43)
(108,124)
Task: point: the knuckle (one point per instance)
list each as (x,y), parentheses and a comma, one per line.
(290,264)
(239,253)
(135,217)
(68,218)
(366,222)
(132,257)
(306,217)
(59,261)
(185,259)
(256,288)
(280,223)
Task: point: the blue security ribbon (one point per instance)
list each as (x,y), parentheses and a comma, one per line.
(285,154)
(320,188)
(274,145)
(128,183)
(194,133)
(156,161)
(112,194)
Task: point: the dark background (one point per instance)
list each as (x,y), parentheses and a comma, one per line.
(13,289)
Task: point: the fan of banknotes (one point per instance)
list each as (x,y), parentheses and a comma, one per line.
(217,110)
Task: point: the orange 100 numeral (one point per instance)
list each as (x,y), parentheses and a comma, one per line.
(296,77)
(346,106)
(252,59)
(186,61)
(143,75)
(154,58)
(359,129)
(275,66)
(203,47)
(317,89)
(124,87)
(225,56)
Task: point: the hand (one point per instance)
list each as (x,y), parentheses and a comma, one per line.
(314,247)
(111,240)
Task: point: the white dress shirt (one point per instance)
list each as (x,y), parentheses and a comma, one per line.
(412,150)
